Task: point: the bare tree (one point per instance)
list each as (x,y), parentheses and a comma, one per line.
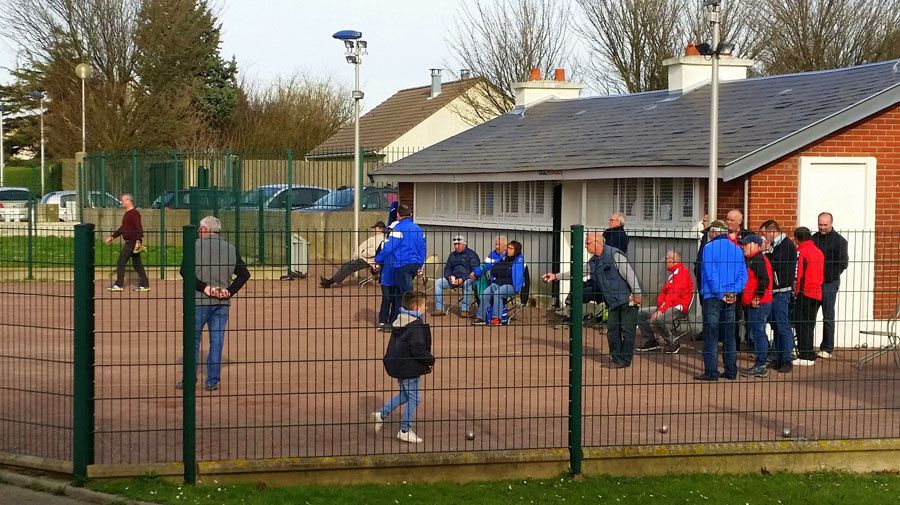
(740,25)
(294,112)
(502,41)
(804,35)
(628,41)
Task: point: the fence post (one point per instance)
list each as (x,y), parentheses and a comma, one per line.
(32,210)
(576,349)
(189,373)
(195,205)
(102,178)
(134,175)
(162,240)
(83,355)
(238,188)
(79,193)
(260,233)
(288,209)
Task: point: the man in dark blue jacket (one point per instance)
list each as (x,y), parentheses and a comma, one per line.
(404,252)
(783,257)
(615,235)
(723,275)
(461,262)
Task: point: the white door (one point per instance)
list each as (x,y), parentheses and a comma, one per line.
(845,187)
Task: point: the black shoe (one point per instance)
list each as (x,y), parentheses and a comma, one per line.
(325,283)
(478,322)
(730,377)
(785,368)
(648,346)
(706,378)
(619,364)
(756,371)
(672,348)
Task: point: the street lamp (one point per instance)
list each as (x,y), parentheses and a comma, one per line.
(717,48)
(42,97)
(83,72)
(355,49)
(2,163)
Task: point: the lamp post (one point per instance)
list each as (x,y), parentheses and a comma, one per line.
(83,72)
(2,152)
(41,97)
(356,48)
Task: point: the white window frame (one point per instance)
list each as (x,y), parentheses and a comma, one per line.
(637,221)
(426,200)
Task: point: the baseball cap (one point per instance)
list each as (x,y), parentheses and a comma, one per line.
(718,225)
(751,238)
(459,239)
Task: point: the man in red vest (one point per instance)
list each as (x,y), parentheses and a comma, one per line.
(808,294)
(757,302)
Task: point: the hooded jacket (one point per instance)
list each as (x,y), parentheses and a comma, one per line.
(408,352)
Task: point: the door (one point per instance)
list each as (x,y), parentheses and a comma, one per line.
(845,187)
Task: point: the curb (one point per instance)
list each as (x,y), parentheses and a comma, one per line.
(59,488)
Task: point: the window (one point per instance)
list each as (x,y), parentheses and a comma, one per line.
(664,201)
(502,203)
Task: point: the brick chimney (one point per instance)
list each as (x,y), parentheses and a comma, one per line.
(692,69)
(536,89)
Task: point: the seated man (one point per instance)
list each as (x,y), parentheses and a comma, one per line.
(673,302)
(461,262)
(363,258)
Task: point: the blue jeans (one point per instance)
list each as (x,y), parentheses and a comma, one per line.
(829,306)
(493,296)
(756,322)
(389,309)
(781,323)
(215,317)
(718,318)
(409,394)
(441,284)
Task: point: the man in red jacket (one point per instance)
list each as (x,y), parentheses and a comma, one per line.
(808,294)
(757,302)
(674,301)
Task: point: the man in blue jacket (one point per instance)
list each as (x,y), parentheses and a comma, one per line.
(404,253)
(723,276)
(461,262)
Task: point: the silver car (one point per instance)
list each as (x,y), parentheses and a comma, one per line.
(14,204)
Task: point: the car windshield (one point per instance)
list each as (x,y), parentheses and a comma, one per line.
(11,195)
(336,199)
(257,195)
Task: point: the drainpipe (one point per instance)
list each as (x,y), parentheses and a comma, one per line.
(747,202)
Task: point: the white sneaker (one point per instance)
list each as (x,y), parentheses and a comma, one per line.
(408,436)
(803,362)
(377,420)
(824,354)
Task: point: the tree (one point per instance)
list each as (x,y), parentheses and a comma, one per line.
(631,38)
(502,41)
(294,112)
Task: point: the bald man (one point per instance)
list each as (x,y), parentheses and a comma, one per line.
(615,235)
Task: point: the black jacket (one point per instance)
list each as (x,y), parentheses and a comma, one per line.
(783,258)
(616,237)
(834,248)
(408,353)
(461,264)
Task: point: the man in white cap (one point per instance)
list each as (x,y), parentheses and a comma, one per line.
(460,263)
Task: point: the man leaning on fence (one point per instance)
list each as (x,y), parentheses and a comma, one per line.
(221,273)
(723,276)
(612,275)
(132,232)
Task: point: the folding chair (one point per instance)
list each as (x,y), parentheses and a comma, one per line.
(374,276)
(516,303)
(429,271)
(893,337)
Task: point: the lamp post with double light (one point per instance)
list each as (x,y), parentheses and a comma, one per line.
(83,71)
(356,49)
(41,97)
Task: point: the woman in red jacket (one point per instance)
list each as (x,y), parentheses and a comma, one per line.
(807,294)
(674,301)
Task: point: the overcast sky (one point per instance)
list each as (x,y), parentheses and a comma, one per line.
(279,37)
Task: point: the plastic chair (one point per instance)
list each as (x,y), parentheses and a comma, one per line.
(893,345)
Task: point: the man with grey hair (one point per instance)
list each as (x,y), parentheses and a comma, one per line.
(615,235)
(217,261)
(613,277)
(132,232)
(673,302)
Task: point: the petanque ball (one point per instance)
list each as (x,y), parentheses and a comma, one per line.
(470,435)
(786,432)
(664,428)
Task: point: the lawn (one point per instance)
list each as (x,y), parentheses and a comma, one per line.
(818,489)
(60,252)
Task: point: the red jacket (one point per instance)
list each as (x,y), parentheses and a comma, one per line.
(759,280)
(678,290)
(810,270)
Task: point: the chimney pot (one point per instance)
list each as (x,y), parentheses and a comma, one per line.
(559,74)
(691,50)
(535,74)
(435,82)
(465,73)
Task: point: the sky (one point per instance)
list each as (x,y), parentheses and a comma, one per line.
(273,38)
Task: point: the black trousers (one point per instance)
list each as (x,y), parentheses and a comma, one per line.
(347,269)
(128,252)
(805,310)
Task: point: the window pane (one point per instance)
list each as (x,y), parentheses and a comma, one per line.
(538,197)
(511,197)
(486,199)
(687,199)
(630,192)
(648,200)
(465,199)
(666,199)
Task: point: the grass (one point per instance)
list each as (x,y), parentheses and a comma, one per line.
(817,488)
(60,252)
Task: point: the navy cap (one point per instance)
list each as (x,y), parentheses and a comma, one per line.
(751,238)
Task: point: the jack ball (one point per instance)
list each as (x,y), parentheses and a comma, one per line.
(470,435)
(786,432)
(664,428)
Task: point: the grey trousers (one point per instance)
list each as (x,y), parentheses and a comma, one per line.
(662,326)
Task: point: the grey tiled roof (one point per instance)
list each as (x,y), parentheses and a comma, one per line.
(759,120)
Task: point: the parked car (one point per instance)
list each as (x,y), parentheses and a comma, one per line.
(52,198)
(68,203)
(274,196)
(207,198)
(373,198)
(14,204)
